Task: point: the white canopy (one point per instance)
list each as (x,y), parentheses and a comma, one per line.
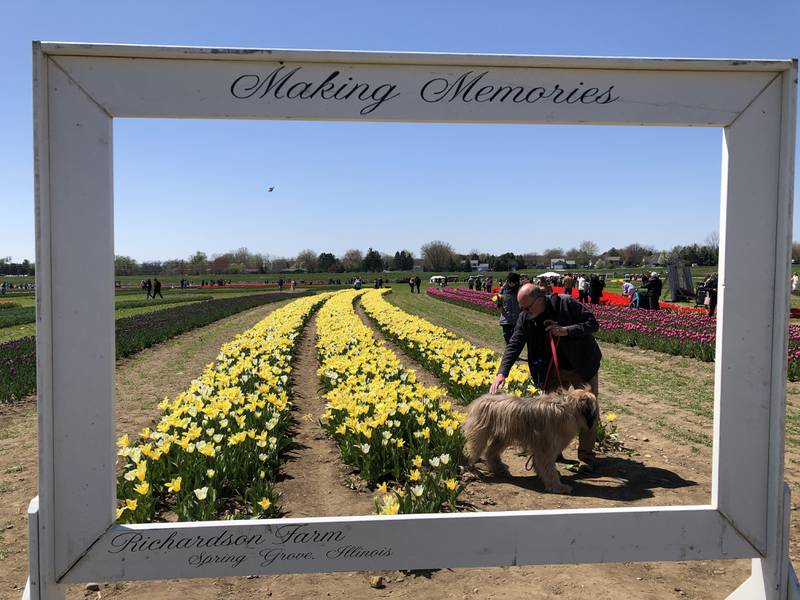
(550,274)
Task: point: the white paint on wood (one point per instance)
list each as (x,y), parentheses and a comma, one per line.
(410,542)
(744,364)
(80,295)
(739,65)
(75,347)
(312,90)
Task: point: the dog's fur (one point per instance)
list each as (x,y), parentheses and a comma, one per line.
(543,426)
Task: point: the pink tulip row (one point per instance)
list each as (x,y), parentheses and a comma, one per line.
(690,334)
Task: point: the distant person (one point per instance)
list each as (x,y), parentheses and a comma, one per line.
(569,281)
(508,305)
(148,287)
(628,289)
(795,282)
(654,287)
(411,284)
(357,284)
(292,285)
(280,284)
(470,282)
(157,289)
(596,286)
(583,289)
(711,284)
(417,281)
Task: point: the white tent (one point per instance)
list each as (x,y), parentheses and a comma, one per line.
(550,274)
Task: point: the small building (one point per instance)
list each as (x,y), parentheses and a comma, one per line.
(561,264)
(614,261)
(483,267)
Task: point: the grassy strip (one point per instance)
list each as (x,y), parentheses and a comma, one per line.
(133,334)
(27,314)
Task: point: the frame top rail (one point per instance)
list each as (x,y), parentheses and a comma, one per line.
(54,48)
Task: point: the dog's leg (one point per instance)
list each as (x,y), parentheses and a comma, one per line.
(476,443)
(547,472)
(493,461)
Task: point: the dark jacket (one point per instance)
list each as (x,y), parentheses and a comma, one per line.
(577,351)
(509,305)
(654,286)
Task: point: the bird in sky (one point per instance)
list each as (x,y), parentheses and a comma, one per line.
(270,188)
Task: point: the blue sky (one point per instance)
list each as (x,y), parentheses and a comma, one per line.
(186,185)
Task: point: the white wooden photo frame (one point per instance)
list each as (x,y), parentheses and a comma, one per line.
(79,89)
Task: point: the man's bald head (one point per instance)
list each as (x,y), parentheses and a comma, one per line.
(531,292)
(528,299)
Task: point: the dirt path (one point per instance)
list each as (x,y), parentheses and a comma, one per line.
(315,478)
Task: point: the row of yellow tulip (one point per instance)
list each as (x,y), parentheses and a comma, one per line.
(218,445)
(466,370)
(394,429)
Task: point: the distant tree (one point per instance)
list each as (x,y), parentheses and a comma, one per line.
(262,263)
(438,255)
(403,261)
(307,259)
(125,265)
(796,251)
(633,255)
(372,261)
(219,263)
(553,253)
(198,262)
(505,262)
(587,251)
(152,267)
(278,264)
(326,261)
(352,259)
(532,259)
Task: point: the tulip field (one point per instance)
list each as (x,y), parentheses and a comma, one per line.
(673,330)
(218,447)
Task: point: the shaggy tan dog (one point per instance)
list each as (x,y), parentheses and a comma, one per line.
(543,426)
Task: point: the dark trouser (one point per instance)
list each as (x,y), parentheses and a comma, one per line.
(568,291)
(595,299)
(157,292)
(416,285)
(654,303)
(508,329)
(412,287)
(586,439)
(712,303)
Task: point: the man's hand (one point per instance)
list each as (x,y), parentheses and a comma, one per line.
(557,330)
(498,382)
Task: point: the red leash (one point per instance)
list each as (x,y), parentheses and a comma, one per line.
(553,361)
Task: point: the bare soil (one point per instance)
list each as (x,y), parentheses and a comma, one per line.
(661,471)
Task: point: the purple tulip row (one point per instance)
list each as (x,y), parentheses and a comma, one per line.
(678,333)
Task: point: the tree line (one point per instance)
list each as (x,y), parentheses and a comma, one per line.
(436,255)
